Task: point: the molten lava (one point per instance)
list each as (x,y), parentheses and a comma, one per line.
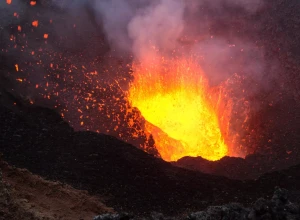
(181,111)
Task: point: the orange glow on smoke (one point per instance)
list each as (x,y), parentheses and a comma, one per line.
(181,111)
(8,1)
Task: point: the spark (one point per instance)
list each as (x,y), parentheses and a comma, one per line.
(35,23)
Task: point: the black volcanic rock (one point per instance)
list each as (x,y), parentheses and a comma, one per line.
(253,166)
(122,216)
(38,139)
(276,208)
(279,207)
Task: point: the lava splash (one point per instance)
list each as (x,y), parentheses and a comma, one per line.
(180,109)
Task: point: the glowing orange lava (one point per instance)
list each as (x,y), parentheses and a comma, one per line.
(181,112)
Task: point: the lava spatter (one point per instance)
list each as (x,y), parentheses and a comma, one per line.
(180,109)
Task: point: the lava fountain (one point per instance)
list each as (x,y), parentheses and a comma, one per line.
(181,111)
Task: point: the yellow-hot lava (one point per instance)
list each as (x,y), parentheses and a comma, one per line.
(180,110)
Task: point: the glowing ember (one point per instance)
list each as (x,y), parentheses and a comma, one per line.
(174,98)
(8,1)
(35,23)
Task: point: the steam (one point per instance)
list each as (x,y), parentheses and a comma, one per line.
(159,22)
(146,27)
(160,26)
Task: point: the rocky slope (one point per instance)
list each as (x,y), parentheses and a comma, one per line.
(27,196)
(252,167)
(277,208)
(38,139)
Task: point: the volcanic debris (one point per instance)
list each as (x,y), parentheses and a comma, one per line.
(277,208)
